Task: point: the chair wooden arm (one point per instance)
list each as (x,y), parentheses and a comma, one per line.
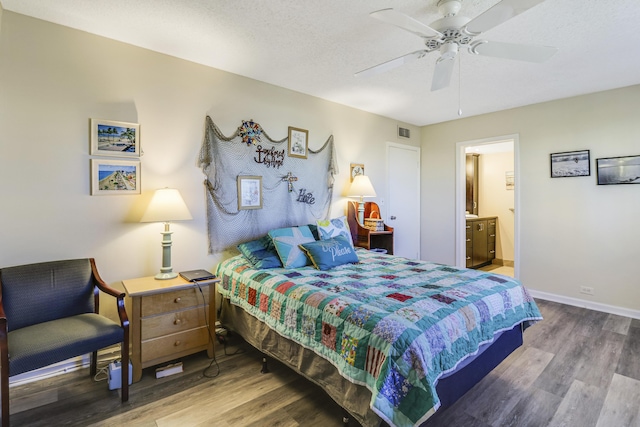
(3,317)
(101,285)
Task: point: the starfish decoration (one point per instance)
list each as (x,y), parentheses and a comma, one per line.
(293,242)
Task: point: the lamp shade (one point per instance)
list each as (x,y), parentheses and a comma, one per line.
(166,205)
(361,187)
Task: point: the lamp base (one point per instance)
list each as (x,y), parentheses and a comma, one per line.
(166,276)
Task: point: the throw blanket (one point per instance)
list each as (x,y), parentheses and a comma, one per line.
(392,324)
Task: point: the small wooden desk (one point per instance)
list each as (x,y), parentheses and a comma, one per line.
(170,319)
(366,238)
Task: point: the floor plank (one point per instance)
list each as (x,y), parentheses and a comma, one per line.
(621,404)
(580,407)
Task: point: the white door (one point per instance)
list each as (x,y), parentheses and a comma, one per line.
(403,207)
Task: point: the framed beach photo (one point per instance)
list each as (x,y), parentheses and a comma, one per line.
(570,164)
(109,138)
(618,170)
(112,177)
(249,192)
(298,142)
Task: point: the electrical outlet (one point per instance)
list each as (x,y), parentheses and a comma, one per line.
(586,290)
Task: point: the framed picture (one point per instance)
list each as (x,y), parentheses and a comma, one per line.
(298,143)
(510,180)
(356,169)
(618,170)
(570,163)
(111,177)
(109,138)
(249,192)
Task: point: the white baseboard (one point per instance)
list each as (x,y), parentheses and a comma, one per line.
(64,367)
(577,302)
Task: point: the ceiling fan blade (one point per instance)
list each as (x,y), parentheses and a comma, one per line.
(498,14)
(518,52)
(405,22)
(442,73)
(390,65)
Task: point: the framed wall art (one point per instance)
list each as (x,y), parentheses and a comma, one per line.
(356,169)
(112,177)
(249,192)
(618,170)
(298,142)
(109,138)
(570,164)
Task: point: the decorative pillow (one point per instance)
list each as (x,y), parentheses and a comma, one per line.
(330,228)
(314,231)
(261,253)
(287,240)
(329,253)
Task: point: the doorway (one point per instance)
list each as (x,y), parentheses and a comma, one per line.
(498,182)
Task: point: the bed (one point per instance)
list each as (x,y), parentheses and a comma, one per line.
(388,338)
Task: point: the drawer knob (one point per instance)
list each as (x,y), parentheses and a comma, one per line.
(176,344)
(177,322)
(177,300)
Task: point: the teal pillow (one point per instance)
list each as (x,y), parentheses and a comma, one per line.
(261,253)
(330,228)
(329,253)
(287,240)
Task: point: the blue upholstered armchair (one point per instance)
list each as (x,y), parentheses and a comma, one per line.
(49,313)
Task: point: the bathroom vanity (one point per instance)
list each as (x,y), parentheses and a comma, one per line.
(481,241)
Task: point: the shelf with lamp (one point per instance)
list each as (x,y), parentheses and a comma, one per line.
(358,212)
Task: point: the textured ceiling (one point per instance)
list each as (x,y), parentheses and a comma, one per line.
(315,47)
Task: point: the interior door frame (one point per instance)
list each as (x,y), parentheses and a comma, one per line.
(460,204)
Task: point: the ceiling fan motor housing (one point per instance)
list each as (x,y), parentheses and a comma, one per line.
(452,29)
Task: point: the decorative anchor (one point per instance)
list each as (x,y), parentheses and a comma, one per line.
(290,180)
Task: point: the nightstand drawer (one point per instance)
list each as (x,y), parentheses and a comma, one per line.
(171,323)
(173,301)
(174,343)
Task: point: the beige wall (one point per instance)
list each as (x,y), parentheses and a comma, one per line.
(496,200)
(54,79)
(573,232)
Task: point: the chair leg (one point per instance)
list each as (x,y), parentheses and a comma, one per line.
(125,370)
(94,364)
(4,389)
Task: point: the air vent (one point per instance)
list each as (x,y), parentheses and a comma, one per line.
(403,132)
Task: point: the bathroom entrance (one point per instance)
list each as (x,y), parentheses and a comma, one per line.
(486,188)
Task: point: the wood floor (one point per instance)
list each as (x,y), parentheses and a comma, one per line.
(577,368)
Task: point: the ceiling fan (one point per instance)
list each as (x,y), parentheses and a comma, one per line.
(454,32)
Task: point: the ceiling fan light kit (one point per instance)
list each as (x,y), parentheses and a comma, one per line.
(452,32)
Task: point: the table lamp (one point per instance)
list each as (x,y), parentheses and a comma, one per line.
(361,187)
(166,205)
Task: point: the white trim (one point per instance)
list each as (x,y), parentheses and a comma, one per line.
(577,302)
(69,365)
(460,195)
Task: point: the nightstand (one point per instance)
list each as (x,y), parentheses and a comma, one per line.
(169,319)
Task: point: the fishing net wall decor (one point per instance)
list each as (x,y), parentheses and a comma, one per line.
(295,191)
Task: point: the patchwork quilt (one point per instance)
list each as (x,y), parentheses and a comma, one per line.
(389,323)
